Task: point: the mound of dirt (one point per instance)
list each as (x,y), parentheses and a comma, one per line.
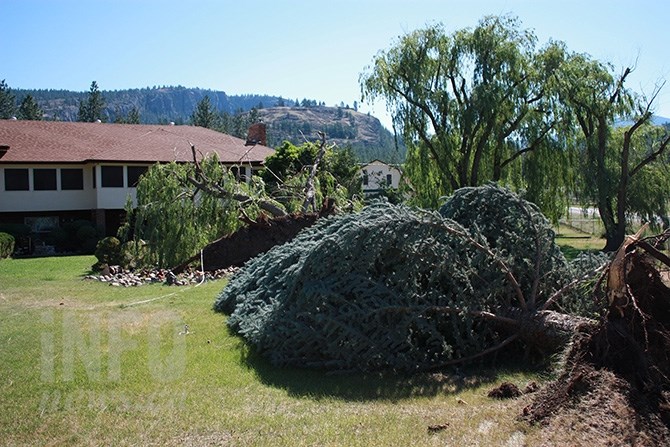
(506,390)
(615,385)
(253,239)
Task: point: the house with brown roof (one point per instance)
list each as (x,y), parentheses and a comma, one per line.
(54,172)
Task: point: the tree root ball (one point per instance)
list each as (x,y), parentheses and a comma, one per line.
(615,385)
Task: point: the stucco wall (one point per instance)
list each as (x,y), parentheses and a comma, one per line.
(31,200)
(377,173)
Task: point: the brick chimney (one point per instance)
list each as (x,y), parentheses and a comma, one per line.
(256,135)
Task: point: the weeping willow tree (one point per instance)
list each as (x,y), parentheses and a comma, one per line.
(174,217)
(470,105)
(393,287)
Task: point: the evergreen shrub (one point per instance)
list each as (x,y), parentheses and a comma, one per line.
(133,254)
(107,251)
(7,242)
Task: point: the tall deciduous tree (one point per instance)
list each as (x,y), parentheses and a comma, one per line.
(29,110)
(204,114)
(618,175)
(91,110)
(469,104)
(7,101)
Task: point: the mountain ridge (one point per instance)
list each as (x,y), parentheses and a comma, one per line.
(286,120)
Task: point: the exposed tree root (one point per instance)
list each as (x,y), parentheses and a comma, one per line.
(617,374)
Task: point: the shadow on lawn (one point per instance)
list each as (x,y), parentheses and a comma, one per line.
(359,386)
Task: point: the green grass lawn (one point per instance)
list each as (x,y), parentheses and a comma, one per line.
(572,241)
(78,366)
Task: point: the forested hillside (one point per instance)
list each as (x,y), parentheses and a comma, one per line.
(155,104)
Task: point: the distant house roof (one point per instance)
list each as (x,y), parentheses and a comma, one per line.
(74,142)
(377,161)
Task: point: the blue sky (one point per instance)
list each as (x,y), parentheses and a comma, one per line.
(297,49)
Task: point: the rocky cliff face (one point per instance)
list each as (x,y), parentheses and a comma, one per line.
(343,127)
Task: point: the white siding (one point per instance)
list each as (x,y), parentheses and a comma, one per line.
(113,198)
(377,174)
(58,200)
(64,200)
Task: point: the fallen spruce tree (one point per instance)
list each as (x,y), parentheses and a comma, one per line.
(405,289)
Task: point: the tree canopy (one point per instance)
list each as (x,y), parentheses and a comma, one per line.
(617,161)
(286,172)
(204,114)
(7,101)
(176,219)
(485,104)
(29,110)
(468,105)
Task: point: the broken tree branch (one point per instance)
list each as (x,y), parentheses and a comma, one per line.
(201,182)
(310,191)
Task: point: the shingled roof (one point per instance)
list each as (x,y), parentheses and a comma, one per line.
(70,142)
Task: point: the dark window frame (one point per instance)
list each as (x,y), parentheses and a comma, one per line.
(112,176)
(14,182)
(71,179)
(45,179)
(134,174)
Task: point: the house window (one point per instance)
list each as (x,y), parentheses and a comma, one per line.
(112,176)
(95,177)
(44,179)
(71,179)
(134,174)
(239,173)
(366,179)
(16,180)
(389,179)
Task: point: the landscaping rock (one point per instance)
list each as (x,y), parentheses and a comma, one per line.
(118,277)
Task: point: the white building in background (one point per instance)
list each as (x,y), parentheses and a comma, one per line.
(54,172)
(377,176)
